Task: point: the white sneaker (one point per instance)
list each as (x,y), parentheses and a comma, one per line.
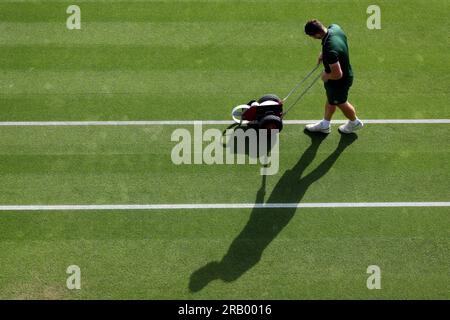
(349,127)
(318,127)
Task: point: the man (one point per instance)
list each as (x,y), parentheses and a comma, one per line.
(337,77)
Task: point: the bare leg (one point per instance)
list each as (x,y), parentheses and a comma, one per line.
(348,110)
(329,111)
(324,125)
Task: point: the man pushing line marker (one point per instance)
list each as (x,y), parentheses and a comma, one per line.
(337,76)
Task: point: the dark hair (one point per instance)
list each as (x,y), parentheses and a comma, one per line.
(313,27)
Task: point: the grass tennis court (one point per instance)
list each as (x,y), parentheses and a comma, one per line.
(195,60)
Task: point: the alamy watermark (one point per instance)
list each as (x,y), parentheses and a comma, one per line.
(374,20)
(73,21)
(74,279)
(229,147)
(374,280)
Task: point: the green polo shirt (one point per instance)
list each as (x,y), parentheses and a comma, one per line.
(334,49)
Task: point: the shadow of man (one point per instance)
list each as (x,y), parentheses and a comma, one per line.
(265,224)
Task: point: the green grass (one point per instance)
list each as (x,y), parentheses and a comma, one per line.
(186,60)
(133,165)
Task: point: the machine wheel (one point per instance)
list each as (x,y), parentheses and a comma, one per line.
(271,122)
(269,97)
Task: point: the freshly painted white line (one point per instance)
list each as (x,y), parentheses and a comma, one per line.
(89,207)
(110,123)
(205,122)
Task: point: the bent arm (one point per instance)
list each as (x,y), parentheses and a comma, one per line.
(336,71)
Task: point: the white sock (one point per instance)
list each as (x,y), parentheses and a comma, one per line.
(354,122)
(325,123)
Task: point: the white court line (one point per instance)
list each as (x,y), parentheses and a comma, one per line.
(220,206)
(205,122)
